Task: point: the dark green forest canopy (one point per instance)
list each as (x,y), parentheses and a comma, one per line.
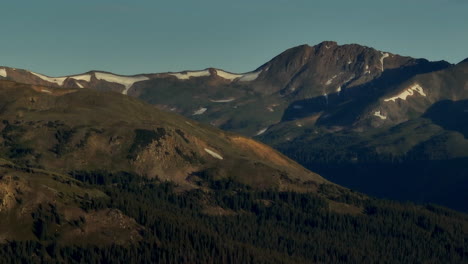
(251,226)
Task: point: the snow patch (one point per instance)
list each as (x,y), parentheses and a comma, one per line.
(261,131)
(214,154)
(58,80)
(299,124)
(415,88)
(245,77)
(349,62)
(223,100)
(338,90)
(297,106)
(384,55)
(367,71)
(228,75)
(3,72)
(46,91)
(251,76)
(126,81)
(378,114)
(200,111)
(330,80)
(79,84)
(188,75)
(83,77)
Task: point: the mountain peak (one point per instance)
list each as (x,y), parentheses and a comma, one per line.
(327,44)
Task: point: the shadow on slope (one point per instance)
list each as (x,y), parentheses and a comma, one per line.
(430,181)
(451,115)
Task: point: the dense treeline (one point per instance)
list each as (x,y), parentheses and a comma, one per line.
(249,226)
(422,175)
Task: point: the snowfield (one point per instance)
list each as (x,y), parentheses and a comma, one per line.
(126,81)
(251,76)
(384,55)
(246,77)
(189,74)
(415,88)
(83,77)
(228,75)
(58,80)
(378,114)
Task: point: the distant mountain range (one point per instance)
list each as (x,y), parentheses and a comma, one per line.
(328,107)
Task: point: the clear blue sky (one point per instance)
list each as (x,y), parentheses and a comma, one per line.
(59,37)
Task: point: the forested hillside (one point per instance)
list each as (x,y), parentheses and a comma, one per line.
(232,223)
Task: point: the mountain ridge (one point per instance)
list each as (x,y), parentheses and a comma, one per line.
(326,71)
(317,48)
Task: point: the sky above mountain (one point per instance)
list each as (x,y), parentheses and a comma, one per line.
(58,37)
